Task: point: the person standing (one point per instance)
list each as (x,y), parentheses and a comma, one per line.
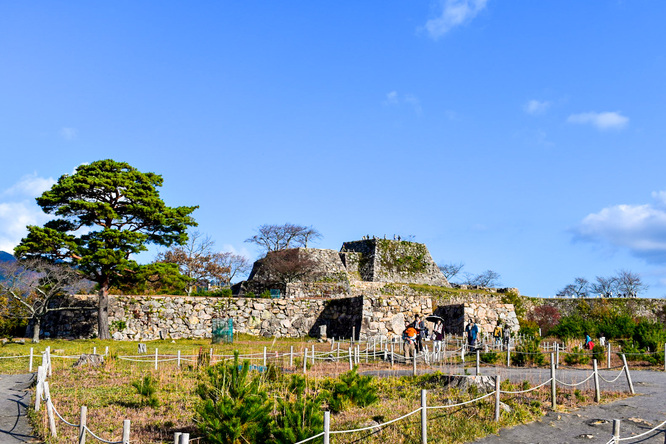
(419,325)
(438,336)
(507,336)
(497,334)
(472,331)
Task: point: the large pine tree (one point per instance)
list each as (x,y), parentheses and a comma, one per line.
(105,212)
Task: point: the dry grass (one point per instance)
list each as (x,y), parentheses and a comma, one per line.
(110,398)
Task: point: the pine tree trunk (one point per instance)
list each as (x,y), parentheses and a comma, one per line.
(103,311)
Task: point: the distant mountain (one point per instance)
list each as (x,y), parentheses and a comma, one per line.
(6,257)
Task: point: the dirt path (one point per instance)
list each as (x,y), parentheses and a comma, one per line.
(14,402)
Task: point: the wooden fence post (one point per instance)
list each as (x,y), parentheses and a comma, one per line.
(126,431)
(626,371)
(424,417)
(414,363)
(185,438)
(351,362)
(178,358)
(497,398)
(39,389)
(557,355)
(291,356)
(305,360)
(608,355)
(176,437)
(597,392)
(156,357)
(508,355)
(553,382)
(264,356)
(478,364)
(49,409)
(616,431)
(31,358)
(82,425)
(327,427)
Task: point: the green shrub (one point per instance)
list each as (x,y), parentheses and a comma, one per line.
(528,352)
(489,357)
(147,388)
(574,326)
(650,335)
(598,353)
(577,356)
(266,294)
(234,407)
(351,389)
(299,414)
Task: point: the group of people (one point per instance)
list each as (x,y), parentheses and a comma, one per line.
(416,333)
(501,334)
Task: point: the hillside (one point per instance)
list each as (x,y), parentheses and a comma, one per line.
(5,257)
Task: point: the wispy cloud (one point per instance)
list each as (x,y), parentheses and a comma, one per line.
(394,99)
(603,121)
(640,229)
(536,107)
(18,209)
(69,133)
(30,186)
(454,13)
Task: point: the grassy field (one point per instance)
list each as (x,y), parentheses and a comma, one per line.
(108,393)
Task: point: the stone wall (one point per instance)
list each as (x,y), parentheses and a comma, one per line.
(174,317)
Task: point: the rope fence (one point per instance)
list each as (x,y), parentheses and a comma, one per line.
(43,394)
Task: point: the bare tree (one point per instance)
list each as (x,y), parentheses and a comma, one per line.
(579,289)
(235,264)
(197,260)
(35,285)
(287,266)
(630,284)
(488,278)
(604,286)
(282,237)
(451,270)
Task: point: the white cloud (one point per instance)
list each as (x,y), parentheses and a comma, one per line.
(391,98)
(454,13)
(69,133)
(30,186)
(395,99)
(641,229)
(536,107)
(18,209)
(603,121)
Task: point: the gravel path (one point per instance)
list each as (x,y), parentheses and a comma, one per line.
(594,424)
(14,402)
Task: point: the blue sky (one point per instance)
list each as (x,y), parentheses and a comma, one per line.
(523,137)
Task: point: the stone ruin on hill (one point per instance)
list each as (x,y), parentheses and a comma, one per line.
(312,272)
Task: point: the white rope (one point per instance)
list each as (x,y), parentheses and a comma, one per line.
(578,383)
(461,403)
(311,438)
(528,390)
(642,434)
(616,378)
(102,439)
(63,419)
(14,357)
(378,425)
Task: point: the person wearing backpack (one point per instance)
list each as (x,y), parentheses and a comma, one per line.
(497,334)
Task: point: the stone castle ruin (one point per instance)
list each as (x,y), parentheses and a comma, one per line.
(303,272)
(367,289)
